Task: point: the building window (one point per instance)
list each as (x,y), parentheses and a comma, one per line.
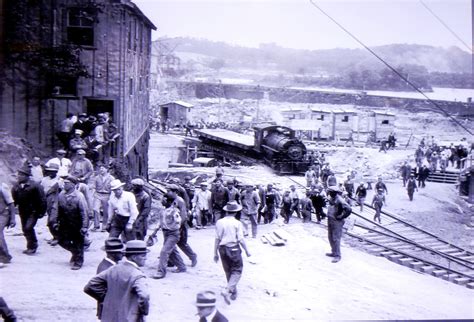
(140,36)
(129,35)
(80,26)
(130,86)
(321,117)
(345,118)
(62,86)
(385,122)
(140,84)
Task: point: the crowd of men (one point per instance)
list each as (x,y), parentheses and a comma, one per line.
(92,134)
(80,199)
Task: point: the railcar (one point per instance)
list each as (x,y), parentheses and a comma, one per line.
(276,145)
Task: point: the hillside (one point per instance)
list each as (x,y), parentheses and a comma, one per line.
(434,59)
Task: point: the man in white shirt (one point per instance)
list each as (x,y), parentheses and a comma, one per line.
(122,211)
(229,239)
(36,170)
(202,206)
(63,163)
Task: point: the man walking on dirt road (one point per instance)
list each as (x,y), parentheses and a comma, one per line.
(31,201)
(229,239)
(122,288)
(72,221)
(338,210)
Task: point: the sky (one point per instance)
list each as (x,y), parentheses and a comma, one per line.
(298,24)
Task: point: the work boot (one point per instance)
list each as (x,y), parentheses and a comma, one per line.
(330,255)
(76,266)
(336,259)
(29,251)
(159,275)
(194,262)
(226,297)
(179,270)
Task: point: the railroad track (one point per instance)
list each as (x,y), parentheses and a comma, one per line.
(408,245)
(411,246)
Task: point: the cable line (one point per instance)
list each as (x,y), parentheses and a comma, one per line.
(391,68)
(446,26)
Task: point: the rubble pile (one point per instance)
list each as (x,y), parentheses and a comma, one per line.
(14,152)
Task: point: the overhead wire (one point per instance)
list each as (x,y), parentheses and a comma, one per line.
(446,26)
(391,68)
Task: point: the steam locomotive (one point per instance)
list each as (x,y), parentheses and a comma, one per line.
(276,145)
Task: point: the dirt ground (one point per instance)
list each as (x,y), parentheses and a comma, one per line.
(293,282)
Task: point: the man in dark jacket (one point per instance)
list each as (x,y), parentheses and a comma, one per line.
(72,221)
(405,172)
(114,250)
(140,226)
(122,288)
(206,306)
(338,210)
(411,187)
(31,201)
(219,198)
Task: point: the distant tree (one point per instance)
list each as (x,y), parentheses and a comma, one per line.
(217,64)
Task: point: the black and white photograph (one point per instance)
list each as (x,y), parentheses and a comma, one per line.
(236,160)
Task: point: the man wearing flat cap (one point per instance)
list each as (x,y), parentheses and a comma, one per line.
(122,288)
(206,306)
(31,201)
(144,206)
(81,167)
(72,221)
(229,239)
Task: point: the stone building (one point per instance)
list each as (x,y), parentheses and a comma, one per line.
(76,56)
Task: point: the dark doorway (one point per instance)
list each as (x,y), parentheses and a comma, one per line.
(164,113)
(95,107)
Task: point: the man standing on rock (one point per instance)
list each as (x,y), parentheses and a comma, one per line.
(31,201)
(338,210)
(122,288)
(72,221)
(229,239)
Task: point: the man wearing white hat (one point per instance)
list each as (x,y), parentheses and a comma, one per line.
(206,306)
(63,162)
(229,239)
(122,210)
(122,288)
